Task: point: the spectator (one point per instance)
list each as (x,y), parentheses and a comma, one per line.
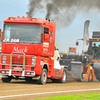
(95,51)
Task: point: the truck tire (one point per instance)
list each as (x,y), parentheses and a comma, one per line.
(43,77)
(64,78)
(90,77)
(7,79)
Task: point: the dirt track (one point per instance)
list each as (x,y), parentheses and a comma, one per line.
(16,87)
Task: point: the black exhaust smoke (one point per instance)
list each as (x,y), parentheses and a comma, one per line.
(33,5)
(62,10)
(50,9)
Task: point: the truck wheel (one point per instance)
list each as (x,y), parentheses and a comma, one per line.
(7,79)
(64,78)
(43,77)
(90,77)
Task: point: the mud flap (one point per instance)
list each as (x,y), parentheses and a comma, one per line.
(96,67)
(76,70)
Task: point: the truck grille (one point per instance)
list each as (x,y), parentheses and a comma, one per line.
(16,60)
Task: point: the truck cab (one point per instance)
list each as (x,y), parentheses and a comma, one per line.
(27,47)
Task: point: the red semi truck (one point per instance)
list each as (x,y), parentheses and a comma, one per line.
(28,51)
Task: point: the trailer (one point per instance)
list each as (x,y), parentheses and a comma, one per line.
(28,51)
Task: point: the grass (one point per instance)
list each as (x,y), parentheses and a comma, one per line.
(89,96)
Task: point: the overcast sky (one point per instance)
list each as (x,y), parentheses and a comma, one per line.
(65,37)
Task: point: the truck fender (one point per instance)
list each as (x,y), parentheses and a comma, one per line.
(45,66)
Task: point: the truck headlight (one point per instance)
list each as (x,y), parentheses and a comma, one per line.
(4,62)
(4,57)
(3,71)
(33,73)
(28,73)
(7,72)
(34,61)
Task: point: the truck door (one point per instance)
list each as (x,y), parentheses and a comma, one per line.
(46,41)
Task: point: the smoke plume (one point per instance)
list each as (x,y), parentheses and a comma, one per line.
(60,10)
(33,4)
(51,8)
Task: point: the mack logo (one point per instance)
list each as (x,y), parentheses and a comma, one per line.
(17,49)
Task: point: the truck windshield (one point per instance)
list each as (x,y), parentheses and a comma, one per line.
(22,33)
(94,50)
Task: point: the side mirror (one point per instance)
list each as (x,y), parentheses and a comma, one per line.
(77,43)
